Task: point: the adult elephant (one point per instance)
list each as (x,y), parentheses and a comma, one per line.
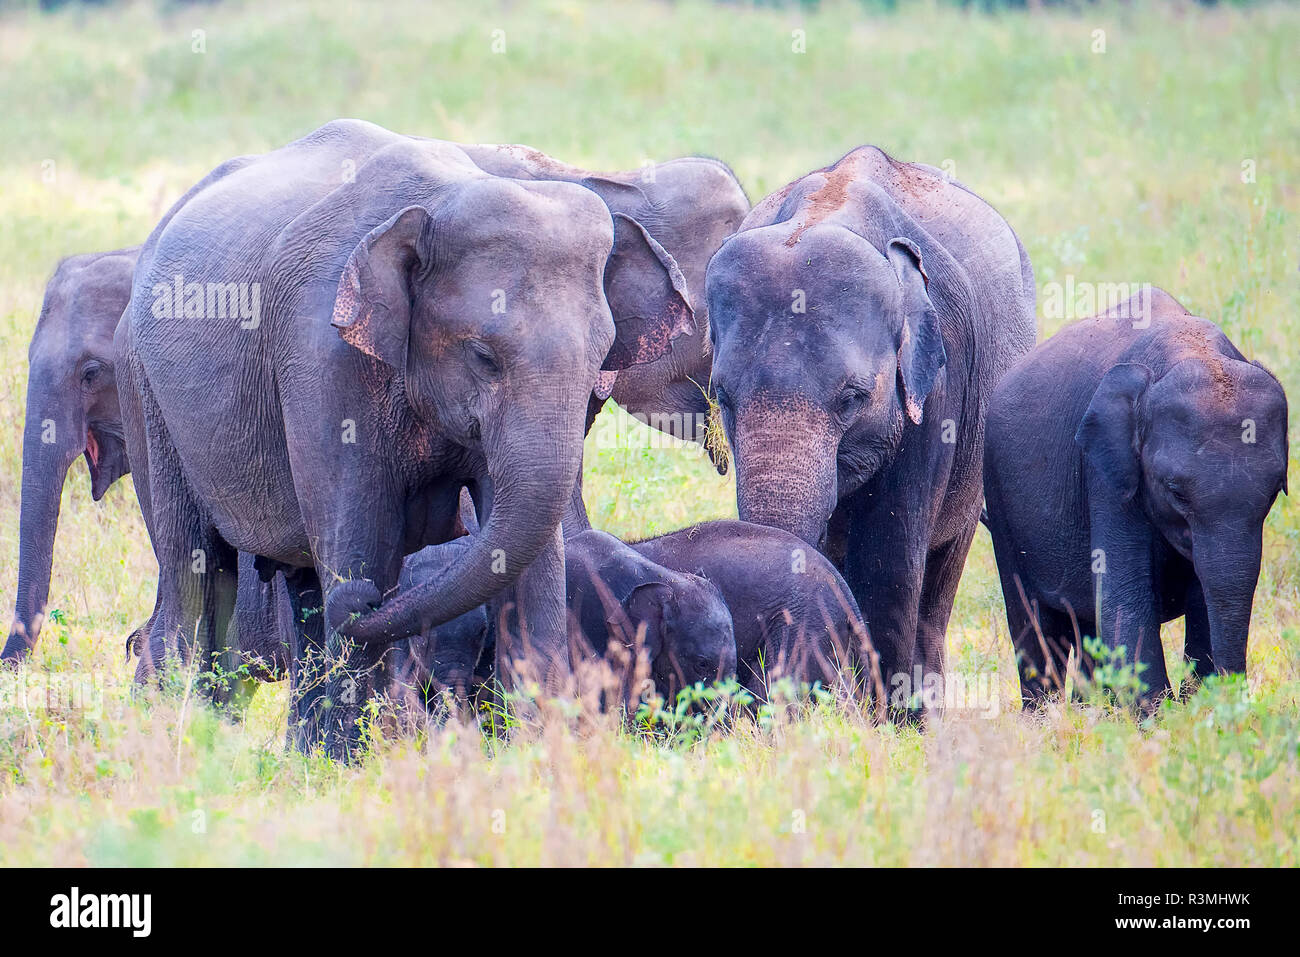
(72,410)
(408,324)
(861,317)
(690,205)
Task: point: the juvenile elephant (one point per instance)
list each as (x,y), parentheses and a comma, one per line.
(72,410)
(861,318)
(689,205)
(792,613)
(407,324)
(1130,462)
(618,596)
(441,660)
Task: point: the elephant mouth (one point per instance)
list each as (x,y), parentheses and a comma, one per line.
(92,450)
(105,454)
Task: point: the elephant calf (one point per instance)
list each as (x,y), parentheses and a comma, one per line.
(442,659)
(617,596)
(793,614)
(72,411)
(1130,462)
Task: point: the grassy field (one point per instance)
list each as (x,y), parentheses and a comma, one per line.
(1162,151)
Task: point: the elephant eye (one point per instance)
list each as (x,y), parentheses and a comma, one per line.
(1177,491)
(90,373)
(850,403)
(481,358)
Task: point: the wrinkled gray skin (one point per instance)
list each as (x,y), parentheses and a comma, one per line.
(72,410)
(690,205)
(614,592)
(1121,442)
(792,613)
(862,317)
(423,326)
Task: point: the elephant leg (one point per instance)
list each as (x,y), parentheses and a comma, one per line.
(534,645)
(943,568)
(222,659)
(151,646)
(1023,626)
(884,566)
(1197,648)
(1127,617)
(306,659)
(137,642)
(1043,652)
(888,593)
(197,570)
(351,670)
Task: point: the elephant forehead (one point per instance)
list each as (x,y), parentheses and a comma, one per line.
(825,194)
(833,271)
(1211,389)
(556,220)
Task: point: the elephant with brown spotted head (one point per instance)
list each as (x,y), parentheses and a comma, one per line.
(861,318)
(1129,465)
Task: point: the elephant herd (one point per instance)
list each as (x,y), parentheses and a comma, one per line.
(352,379)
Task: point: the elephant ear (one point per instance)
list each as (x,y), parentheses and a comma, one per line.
(646,292)
(1286,439)
(920,349)
(1108,433)
(372,307)
(651,603)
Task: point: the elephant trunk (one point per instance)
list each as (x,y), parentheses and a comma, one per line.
(1228,572)
(786,468)
(49,449)
(533,462)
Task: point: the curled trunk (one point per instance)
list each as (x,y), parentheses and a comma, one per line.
(533,471)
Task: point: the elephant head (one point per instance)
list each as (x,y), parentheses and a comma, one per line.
(682,623)
(824,351)
(499,302)
(72,410)
(695,635)
(1202,450)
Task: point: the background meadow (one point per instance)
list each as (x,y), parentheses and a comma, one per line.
(1161,150)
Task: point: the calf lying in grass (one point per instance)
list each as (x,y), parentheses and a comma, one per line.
(621,603)
(793,615)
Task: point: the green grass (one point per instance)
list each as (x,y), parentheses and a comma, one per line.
(1122,166)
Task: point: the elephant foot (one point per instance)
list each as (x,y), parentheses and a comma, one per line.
(16,650)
